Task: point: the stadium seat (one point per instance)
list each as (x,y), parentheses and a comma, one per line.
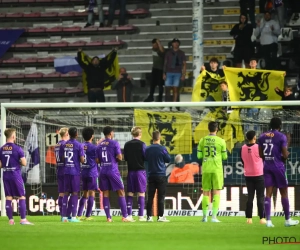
(66,14)
(286,35)
(27,1)
(16,76)
(2,15)
(49,14)
(73,29)
(80,14)
(12,60)
(23,45)
(32,14)
(49,59)
(39,91)
(10,1)
(71,74)
(29,60)
(14,15)
(3,76)
(114,42)
(59,44)
(20,91)
(52,75)
(77,44)
(5,91)
(57,91)
(36,30)
(34,75)
(95,43)
(76,90)
(91,28)
(41,45)
(126,27)
(43,1)
(54,29)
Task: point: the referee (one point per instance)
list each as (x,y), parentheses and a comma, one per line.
(156,156)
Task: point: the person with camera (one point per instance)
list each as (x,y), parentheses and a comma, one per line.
(123,85)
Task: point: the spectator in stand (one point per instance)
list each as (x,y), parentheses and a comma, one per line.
(158,55)
(279,10)
(267,32)
(111,12)
(95,73)
(253,63)
(174,70)
(91,7)
(225,96)
(243,49)
(124,86)
(214,67)
(288,95)
(262,6)
(248,7)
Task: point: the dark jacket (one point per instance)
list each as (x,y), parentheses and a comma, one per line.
(96,75)
(242,37)
(124,89)
(290,97)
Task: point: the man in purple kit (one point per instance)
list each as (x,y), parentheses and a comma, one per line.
(89,174)
(73,156)
(273,151)
(134,154)
(108,153)
(11,157)
(60,169)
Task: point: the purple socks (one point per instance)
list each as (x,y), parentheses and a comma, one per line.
(64,206)
(106,206)
(9,211)
(268,208)
(22,209)
(122,204)
(286,207)
(81,206)
(141,205)
(74,200)
(129,205)
(60,199)
(89,208)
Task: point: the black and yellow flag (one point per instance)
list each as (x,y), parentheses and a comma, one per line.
(175,129)
(112,72)
(230,127)
(254,85)
(207,87)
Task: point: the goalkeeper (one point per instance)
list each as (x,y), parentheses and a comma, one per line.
(212,151)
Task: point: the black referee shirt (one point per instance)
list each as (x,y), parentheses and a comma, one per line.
(134,154)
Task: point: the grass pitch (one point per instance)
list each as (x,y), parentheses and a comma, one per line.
(181,233)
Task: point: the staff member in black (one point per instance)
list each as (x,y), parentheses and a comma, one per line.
(96,74)
(156,156)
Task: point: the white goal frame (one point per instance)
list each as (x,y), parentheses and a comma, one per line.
(5,106)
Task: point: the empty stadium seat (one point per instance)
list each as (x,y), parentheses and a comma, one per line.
(16,76)
(74,90)
(20,91)
(5,91)
(48,59)
(57,91)
(39,91)
(52,75)
(34,75)
(29,60)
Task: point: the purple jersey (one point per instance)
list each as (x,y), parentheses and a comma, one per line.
(73,151)
(89,167)
(10,155)
(59,156)
(271,143)
(107,152)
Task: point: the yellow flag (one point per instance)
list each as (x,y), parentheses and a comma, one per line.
(230,127)
(254,85)
(207,87)
(175,129)
(112,72)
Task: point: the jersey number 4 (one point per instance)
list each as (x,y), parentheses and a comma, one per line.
(210,151)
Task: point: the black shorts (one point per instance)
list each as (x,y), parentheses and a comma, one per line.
(243,53)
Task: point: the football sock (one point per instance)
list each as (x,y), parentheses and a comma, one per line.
(216,204)
(69,208)
(286,207)
(90,204)
(205,203)
(74,199)
(64,206)
(81,206)
(106,206)
(9,211)
(22,209)
(60,199)
(141,205)
(122,204)
(268,207)
(129,204)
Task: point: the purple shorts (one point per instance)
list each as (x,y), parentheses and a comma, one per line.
(111,181)
(72,183)
(89,183)
(14,187)
(61,183)
(275,178)
(137,181)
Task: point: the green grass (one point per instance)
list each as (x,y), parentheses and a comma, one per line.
(181,233)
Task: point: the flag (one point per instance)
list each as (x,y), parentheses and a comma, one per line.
(207,87)
(230,127)
(8,38)
(254,85)
(112,72)
(32,155)
(175,129)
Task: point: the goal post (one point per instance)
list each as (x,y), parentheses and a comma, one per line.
(183,122)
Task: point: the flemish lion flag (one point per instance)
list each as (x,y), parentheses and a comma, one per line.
(112,72)
(254,85)
(207,87)
(230,127)
(175,129)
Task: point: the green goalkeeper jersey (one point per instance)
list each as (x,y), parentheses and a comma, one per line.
(212,151)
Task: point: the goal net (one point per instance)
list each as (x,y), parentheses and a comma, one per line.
(37,126)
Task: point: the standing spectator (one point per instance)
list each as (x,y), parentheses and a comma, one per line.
(95,74)
(156,156)
(111,12)
(124,86)
(267,32)
(174,70)
(243,49)
(254,176)
(279,10)
(134,154)
(91,13)
(11,159)
(158,55)
(214,67)
(248,7)
(253,63)
(225,96)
